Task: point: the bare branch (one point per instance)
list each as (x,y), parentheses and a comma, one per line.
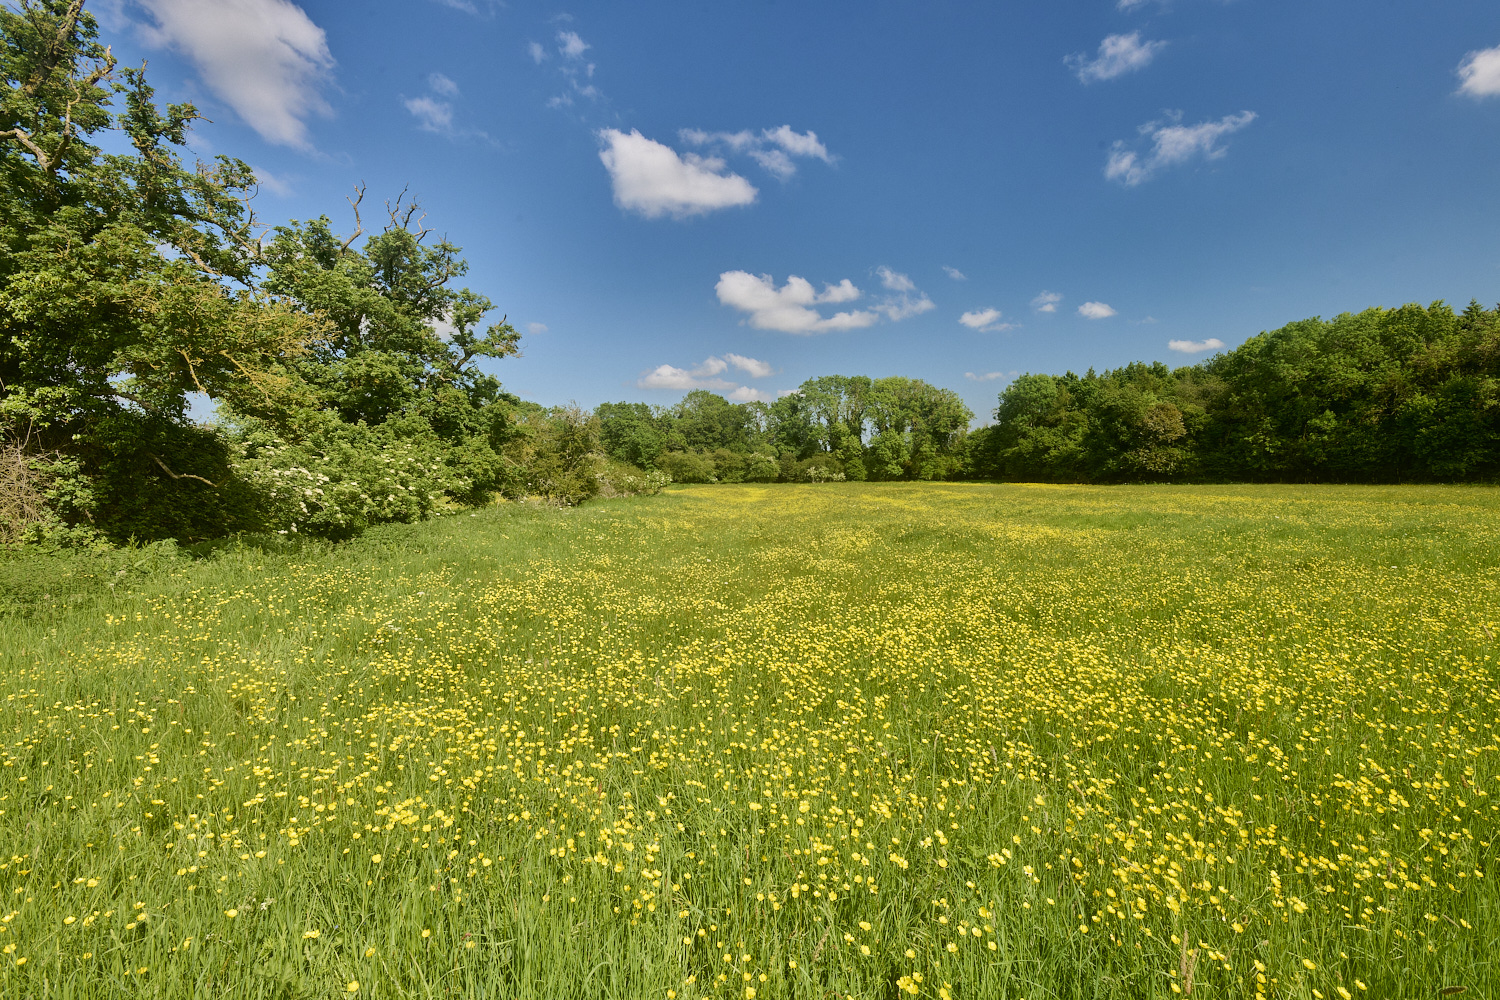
(359,225)
(175,475)
(55,50)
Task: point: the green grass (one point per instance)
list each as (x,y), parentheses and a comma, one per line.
(810,741)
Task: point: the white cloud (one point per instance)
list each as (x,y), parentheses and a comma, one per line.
(536,328)
(1096,310)
(955,273)
(772,148)
(1172,144)
(750,366)
(654,180)
(988,376)
(1046,302)
(431,114)
(908,300)
(1479,73)
(745,394)
(570,45)
(266,59)
(1118,55)
(789,308)
(440,84)
(1129,5)
(895,281)
(704,376)
(537,51)
(1196,346)
(985,321)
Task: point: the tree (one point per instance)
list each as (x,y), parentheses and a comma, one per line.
(125,285)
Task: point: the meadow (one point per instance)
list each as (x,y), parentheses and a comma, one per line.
(839,740)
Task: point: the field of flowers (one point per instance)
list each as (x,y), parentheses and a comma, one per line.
(957,741)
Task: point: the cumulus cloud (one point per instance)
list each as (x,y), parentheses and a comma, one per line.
(1196,346)
(707,376)
(1046,302)
(791,308)
(654,180)
(1096,310)
(750,366)
(907,300)
(988,376)
(266,59)
(1172,144)
(985,321)
(536,328)
(1479,73)
(704,376)
(1118,55)
(772,148)
(955,273)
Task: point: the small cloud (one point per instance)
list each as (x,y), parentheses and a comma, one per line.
(1172,144)
(1118,55)
(894,280)
(988,376)
(750,366)
(440,84)
(1095,310)
(1046,302)
(1479,73)
(652,179)
(1196,346)
(570,45)
(772,148)
(537,51)
(955,273)
(704,376)
(782,393)
(908,300)
(536,328)
(790,308)
(745,394)
(985,321)
(431,114)
(1129,5)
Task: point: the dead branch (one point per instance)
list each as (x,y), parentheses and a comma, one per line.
(359,225)
(184,475)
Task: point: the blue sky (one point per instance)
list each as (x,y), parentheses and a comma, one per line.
(663,195)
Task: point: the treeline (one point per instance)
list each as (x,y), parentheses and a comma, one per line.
(1410,394)
(832,428)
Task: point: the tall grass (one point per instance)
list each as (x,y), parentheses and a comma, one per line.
(785,741)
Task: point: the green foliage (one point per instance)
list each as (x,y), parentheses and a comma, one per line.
(124,284)
(1385,395)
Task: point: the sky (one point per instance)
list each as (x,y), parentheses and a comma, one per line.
(665,196)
